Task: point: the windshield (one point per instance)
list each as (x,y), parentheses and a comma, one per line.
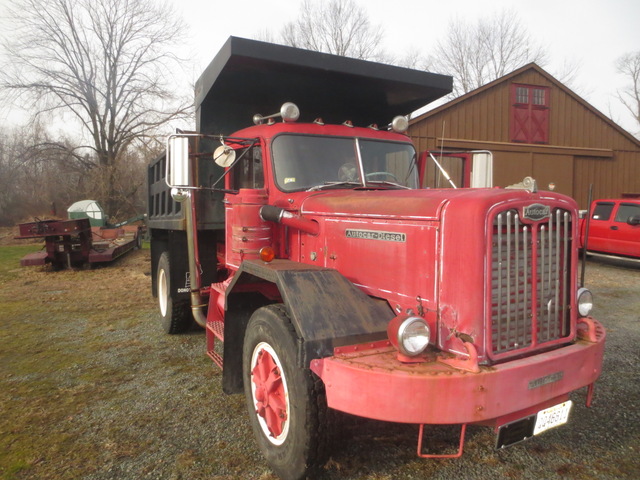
(304,162)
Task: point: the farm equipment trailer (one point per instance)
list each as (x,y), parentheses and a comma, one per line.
(75,243)
(327,280)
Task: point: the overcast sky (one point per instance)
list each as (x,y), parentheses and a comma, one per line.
(591,34)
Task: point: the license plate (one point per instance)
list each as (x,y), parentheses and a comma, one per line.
(552,417)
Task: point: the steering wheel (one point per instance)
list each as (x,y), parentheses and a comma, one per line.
(383,174)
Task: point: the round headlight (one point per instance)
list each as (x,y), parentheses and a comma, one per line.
(585,302)
(410,335)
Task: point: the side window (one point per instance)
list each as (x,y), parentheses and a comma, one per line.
(453,165)
(248,172)
(626,210)
(602,211)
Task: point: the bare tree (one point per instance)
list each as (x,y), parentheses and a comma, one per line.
(339,27)
(40,176)
(412,57)
(478,53)
(105,64)
(37,173)
(629,66)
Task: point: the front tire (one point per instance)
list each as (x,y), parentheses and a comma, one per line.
(175,316)
(286,403)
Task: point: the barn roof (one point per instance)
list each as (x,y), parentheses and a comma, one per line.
(513,75)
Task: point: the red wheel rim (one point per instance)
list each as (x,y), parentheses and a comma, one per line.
(270,395)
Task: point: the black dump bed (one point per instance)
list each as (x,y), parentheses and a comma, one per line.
(248,77)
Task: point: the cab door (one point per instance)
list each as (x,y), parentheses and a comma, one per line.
(599,228)
(246,232)
(625,228)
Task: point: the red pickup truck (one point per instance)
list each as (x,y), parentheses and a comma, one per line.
(614,228)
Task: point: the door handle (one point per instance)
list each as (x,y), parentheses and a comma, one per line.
(613,227)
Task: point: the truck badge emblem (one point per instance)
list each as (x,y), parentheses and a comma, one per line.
(546,380)
(537,212)
(376,235)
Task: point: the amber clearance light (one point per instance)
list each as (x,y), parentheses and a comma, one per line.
(267,254)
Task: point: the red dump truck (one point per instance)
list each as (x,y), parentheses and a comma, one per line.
(327,280)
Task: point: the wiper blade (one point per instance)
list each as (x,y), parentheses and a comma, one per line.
(328,185)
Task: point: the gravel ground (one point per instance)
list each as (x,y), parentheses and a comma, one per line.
(91,389)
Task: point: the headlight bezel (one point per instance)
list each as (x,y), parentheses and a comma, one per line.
(402,330)
(584,302)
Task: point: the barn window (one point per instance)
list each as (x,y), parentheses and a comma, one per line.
(529,122)
(522,95)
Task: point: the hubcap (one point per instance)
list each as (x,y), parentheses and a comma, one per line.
(163,292)
(270,394)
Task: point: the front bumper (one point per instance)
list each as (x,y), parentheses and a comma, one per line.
(372,383)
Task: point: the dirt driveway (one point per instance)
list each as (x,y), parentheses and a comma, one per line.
(91,389)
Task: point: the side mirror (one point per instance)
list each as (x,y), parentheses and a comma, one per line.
(224,156)
(633,221)
(178,161)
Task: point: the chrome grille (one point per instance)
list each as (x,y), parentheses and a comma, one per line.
(530,281)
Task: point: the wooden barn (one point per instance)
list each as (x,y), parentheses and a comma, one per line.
(536,126)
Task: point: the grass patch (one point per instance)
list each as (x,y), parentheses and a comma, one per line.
(10,256)
(69,343)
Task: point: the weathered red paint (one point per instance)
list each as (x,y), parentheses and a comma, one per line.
(246,232)
(493,272)
(427,263)
(434,393)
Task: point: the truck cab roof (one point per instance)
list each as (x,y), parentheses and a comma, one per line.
(269,131)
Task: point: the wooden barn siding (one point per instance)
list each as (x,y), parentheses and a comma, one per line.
(610,178)
(485,117)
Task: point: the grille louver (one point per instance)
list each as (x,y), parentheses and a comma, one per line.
(530,265)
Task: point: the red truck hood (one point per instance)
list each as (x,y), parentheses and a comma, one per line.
(407,204)
(376,203)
